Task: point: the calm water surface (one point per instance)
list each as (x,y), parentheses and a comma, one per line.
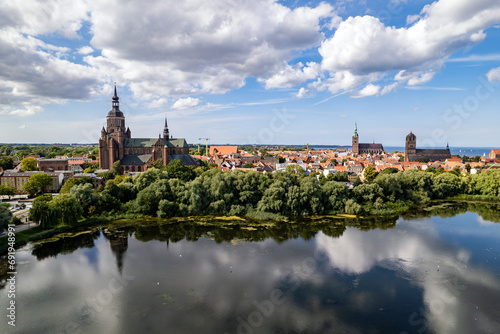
(416,275)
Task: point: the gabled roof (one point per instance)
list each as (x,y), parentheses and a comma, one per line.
(135,159)
(223,150)
(186,159)
(149,142)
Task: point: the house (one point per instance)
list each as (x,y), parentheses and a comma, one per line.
(17,180)
(222,150)
(494,154)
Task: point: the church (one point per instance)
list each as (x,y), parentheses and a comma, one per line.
(412,153)
(116,144)
(360,148)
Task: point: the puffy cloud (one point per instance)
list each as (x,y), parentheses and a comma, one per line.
(302,92)
(85,50)
(493,75)
(198,46)
(364,45)
(368,90)
(291,76)
(188,102)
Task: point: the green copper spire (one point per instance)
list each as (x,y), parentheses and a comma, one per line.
(355,130)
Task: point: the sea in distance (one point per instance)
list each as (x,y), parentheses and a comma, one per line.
(433,271)
(468,151)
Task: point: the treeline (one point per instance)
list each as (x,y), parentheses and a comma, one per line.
(177,190)
(44,151)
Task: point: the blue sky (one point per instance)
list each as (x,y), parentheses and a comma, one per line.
(253,71)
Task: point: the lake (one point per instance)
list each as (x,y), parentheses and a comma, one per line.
(435,271)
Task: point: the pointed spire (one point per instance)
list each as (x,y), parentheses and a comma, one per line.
(355,129)
(115,97)
(165,129)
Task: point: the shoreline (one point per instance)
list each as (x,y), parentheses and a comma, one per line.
(37,234)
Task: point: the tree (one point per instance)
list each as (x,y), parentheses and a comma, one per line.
(7,163)
(295,169)
(5,217)
(29,164)
(89,170)
(117,168)
(281,160)
(69,208)
(248,165)
(468,168)
(455,170)
(44,212)
(6,190)
(369,173)
(37,183)
(70,183)
(158,163)
(84,193)
(177,170)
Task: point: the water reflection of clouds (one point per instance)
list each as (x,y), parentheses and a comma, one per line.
(207,287)
(457,296)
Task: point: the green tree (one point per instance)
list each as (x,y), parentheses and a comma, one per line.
(7,163)
(6,190)
(37,184)
(281,160)
(369,173)
(44,212)
(295,169)
(69,208)
(5,217)
(468,168)
(117,168)
(335,195)
(248,165)
(71,182)
(29,164)
(177,170)
(84,194)
(158,163)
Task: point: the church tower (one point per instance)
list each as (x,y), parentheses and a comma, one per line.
(166,133)
(355,140)
(410,146)
(113,137)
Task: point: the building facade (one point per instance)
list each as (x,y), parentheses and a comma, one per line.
(17,180)
(412,153)
(360,148)
(117,144)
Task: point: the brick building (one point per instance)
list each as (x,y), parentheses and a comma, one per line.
(117,144)
(412,153)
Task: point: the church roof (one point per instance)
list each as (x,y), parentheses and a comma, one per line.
(371,146)
(445,152)
(139,142)
(149,142)
(186,159)
(135,159)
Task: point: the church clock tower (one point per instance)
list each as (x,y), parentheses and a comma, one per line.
(355,140)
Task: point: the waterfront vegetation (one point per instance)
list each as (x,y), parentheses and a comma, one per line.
(179,191)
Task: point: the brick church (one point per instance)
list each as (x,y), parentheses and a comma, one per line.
(116,144)
(360,148)
(412,153)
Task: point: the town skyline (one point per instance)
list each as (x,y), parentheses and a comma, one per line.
(303,73)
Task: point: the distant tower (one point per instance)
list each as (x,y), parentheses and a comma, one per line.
(410,146)
(166,133)
(355,140)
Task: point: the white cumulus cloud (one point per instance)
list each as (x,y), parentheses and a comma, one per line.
(364,46)
(186,103)
(493,75)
